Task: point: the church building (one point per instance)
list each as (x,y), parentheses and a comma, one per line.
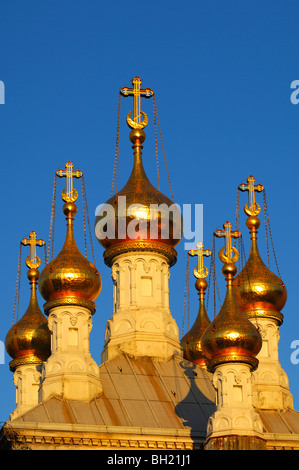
(219,387)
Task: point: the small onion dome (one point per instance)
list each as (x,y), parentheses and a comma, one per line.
(135,223)
(230,337)
(70,279)
(258,291)
(28,341)
(191,342)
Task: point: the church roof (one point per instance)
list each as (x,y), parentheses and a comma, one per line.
(142,392)
(280,422)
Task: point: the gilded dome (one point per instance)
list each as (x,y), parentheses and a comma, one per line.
(70,278)
(191,342)
(135,223)
(258,291)
(230,337)
(28,341)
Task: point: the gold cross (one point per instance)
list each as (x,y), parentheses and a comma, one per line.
(33,261)
(228,253)
(71,194)
(252,207)
(201,271)
(137,92)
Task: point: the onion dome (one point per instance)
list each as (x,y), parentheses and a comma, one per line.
(191,342)
(28,341)
(230,337)
(259,292)
(70,279)
(138,217)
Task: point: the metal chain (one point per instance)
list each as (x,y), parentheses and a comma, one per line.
(213,269)
(246,272)
(266,228)
(45,253)
(18,283)
(156,143)
(208,291)
(237,226)
(186,295)
(242,256)
(267,222)
(52,222)
(157,115)
(214,276)
(85,212)
(84,217)
(116,156)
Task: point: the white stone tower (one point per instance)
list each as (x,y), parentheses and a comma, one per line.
(70,284)
(139,228)
(261,296)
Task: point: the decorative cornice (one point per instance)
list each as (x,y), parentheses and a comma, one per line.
(228,359)
(70,301)
(256,314)
(28,360)
(139,246)
(44,440)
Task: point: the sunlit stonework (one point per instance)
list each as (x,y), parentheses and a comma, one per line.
(221,387)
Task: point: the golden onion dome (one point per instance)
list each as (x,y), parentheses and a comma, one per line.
(28,341)
(230,337)
(259,292)
(142,218)
(191,342)
(70,279)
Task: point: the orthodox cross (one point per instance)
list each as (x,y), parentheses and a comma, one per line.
(230,254)
(201,271)
(252,207)
(137,93)
(71,194)
(33,261)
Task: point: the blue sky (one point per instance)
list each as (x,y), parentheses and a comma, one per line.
(221,72)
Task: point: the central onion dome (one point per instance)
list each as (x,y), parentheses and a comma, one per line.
(70,279)
(145,220)
(28,341)
(231,337)
(191,342)
(259,292)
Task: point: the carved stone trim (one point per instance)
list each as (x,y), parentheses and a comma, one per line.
(81,442)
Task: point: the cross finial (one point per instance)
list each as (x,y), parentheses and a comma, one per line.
(137,93)
(71,194)
(228,253)
(252,207)
(33,261)
(201,271)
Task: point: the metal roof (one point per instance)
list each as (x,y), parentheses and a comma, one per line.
(139,392)
(280,422)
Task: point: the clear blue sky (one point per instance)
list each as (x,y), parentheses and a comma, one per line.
(221,72)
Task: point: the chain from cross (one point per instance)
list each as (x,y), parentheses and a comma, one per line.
(202,271)
(228,253)
(33,261)
(137,93)
(70,194)
(252,207)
